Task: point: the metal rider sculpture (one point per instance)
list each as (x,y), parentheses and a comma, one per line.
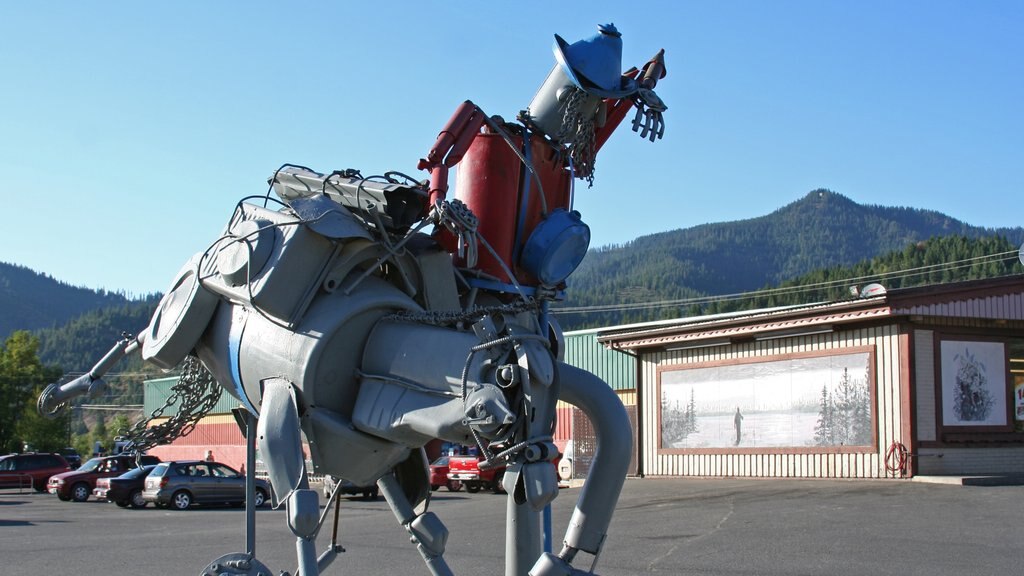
(330,313)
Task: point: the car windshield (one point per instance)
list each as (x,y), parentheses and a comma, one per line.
(442,461)
(91,465)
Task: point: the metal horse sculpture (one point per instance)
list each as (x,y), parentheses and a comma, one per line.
(330,313)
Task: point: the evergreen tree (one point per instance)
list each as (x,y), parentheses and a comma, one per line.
(691,414)
(21,373)
(39,433)
(101,435)
(824,432)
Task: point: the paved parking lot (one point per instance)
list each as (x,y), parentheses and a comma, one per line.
(662,526)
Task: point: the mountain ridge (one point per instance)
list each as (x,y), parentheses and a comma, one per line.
(823,229)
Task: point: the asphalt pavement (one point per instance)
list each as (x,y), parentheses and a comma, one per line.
(662,526)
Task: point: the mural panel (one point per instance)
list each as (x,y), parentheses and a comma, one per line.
(797,402)
(973,383)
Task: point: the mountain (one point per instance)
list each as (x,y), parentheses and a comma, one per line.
(821,233)
(822,230)
(30,300)
(77,345)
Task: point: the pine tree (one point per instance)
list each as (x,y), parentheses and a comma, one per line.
(824,433)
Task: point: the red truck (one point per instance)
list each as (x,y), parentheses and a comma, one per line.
(465,468)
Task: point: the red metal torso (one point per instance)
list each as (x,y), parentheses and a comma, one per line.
(490,182)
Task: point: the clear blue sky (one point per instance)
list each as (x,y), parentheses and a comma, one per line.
(128,130)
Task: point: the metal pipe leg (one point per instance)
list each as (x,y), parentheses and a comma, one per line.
(523,533)
(250,481)
(595,506)
(280,442)
(427,531)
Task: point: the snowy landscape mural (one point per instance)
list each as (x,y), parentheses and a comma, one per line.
(797,402)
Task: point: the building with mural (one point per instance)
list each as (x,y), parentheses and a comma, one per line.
(917,381)
(926,380)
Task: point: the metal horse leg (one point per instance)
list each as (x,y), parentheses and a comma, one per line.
(428,533)
(595,506)
(280,444)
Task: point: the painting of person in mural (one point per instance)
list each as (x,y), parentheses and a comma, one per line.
(737,422)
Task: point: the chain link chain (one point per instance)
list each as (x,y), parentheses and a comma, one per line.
(449,318)
(458,219)
(577,132)
(196,392)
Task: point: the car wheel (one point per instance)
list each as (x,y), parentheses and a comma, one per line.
(434,487)
(496,487)
(63,498)
(454,485)
(121,503)
(181,500)
(259,498)
(80,492)
(472,488)
(39,486)
(136,500)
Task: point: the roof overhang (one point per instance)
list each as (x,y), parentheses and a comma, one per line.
(974,299)
(756,324)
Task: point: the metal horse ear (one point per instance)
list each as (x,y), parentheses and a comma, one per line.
(337,319)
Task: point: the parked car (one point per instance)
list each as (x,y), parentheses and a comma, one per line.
(72,456)
(369,492)
(439,476)
(78,484)
(181,483)
(30,470)
(124,490)
(565,465)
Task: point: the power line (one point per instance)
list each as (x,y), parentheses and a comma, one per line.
(791,290)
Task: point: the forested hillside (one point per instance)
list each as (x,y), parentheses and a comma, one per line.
(30,300)
(939,260)
(823,236)
(821,231)
(935,261)
(79,344)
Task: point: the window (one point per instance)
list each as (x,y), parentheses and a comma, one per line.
(222,471)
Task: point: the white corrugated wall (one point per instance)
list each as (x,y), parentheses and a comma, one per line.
(885,344)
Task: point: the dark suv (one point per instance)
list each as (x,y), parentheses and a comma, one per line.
(30,470)
(78,484)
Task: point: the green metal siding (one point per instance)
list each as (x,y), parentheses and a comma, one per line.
(156,393)
(583,351)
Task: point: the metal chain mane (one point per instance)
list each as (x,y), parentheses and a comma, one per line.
(451,318)
(577,133)
(196,393)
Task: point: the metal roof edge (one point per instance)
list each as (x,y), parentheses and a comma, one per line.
(745,318)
